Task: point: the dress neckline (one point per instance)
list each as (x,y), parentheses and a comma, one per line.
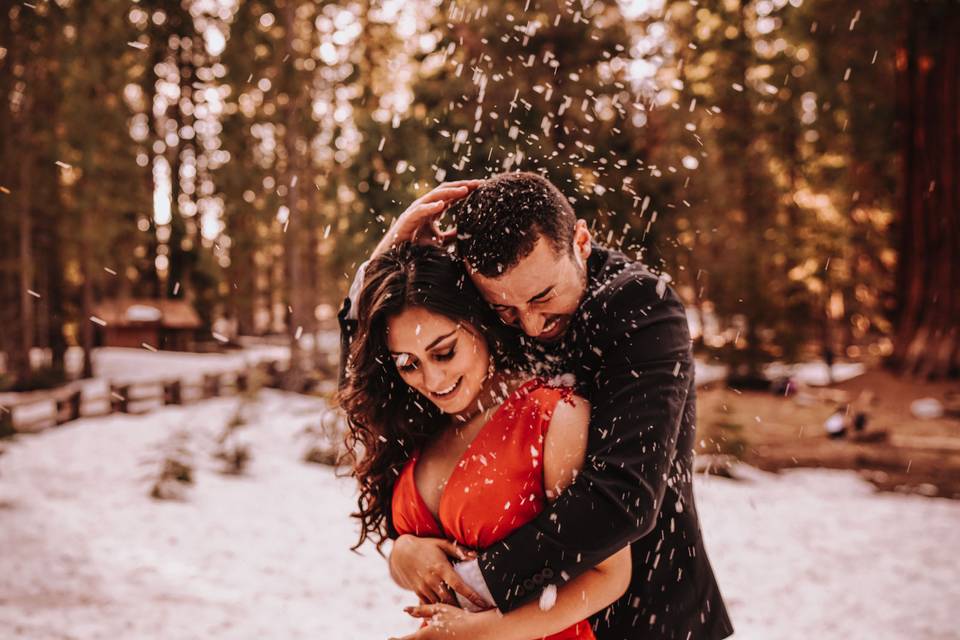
(517,393)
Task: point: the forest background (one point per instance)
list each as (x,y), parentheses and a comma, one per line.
(790,165)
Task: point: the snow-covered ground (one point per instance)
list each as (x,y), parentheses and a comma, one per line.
(817,553)
(129,365)
(84,553)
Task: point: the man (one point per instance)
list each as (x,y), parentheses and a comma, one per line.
(623,334)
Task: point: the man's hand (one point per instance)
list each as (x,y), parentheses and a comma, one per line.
(423,566)
(419,222)
(445,621)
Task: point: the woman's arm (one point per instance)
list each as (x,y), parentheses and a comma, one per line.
(563,454)
(577,600)
(564,450)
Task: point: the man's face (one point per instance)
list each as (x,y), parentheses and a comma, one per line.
(541,293)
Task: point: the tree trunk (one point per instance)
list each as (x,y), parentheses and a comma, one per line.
(18,356)
(7,198)
(158,48)
(750,200)
(174,280)
(55,296)
(86,296)
(292,236)
(928,64)
(243,271)
(312,261)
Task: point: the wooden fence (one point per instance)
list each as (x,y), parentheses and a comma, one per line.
(38,410)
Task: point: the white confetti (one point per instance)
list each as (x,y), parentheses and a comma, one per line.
(548,597)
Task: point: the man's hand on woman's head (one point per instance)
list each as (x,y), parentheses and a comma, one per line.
(419,223)
(423,566)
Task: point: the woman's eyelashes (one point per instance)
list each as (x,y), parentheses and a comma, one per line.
(448,354)
(409,364)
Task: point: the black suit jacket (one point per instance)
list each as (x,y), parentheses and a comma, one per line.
(629,348)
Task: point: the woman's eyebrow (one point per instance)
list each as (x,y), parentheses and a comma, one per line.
(441,338)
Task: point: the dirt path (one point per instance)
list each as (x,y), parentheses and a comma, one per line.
(773,432)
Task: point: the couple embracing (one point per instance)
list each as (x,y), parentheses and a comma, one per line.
(524,407)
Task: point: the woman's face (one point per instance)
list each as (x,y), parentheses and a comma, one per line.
(447,361)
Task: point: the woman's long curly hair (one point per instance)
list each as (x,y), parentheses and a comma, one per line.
(388,420)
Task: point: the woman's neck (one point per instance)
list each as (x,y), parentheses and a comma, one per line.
(495,390)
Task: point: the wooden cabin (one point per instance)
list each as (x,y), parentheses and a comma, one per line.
(135,322)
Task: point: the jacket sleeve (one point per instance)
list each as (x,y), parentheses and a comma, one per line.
(638,400)
(348,320)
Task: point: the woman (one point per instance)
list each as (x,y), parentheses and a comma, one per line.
(453,444)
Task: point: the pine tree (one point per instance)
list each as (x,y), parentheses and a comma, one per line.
(499,88)
(102,182)
(927,339)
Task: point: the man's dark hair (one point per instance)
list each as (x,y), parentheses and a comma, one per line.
(501,220)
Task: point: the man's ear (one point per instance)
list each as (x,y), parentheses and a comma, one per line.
(581,242)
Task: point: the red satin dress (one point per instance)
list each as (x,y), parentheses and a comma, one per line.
(496,487)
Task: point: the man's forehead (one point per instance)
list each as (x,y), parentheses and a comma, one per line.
(514,287)
(532,274)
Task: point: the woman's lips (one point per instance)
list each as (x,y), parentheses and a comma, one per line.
(449,391)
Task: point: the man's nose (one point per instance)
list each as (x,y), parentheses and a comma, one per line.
(532,323)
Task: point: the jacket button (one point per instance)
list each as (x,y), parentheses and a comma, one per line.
(528,585)
(547,573)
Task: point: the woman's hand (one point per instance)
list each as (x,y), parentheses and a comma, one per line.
(445,621)
(419,222)
(423,566)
